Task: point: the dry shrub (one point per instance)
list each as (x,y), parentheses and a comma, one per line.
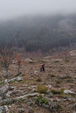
(42,89)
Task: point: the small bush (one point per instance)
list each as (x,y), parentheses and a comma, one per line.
(52,75)
(40,100)
(31,58)
(21,100)
(42,89)
(3,83)
(39,80)
(56,61)
(56,91)
(58,81)
(62,90)
(42,61)
(66,60)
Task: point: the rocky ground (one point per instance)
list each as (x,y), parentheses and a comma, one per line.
(52,91)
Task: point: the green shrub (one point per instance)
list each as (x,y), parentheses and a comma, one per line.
(31,58)
(21,100)
(42,89)
(66,60)
(56,91)
(3,83)
(40,100)
(62,90)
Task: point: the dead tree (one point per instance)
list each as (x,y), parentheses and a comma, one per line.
(6,57)
(20,62)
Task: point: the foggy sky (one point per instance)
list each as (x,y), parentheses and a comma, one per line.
(15,8)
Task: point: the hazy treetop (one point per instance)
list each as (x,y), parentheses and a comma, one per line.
(16,8)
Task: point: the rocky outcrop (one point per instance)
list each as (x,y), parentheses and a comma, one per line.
(69,92)
(16,79)
(4,89)
(4,109)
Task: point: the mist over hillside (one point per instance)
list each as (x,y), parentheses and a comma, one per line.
(39,32)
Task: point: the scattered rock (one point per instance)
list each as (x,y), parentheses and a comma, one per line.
(1,109)
(30,102)
(28,60)
(7,101)
(49,86)
(69,92)
(73,53)
(21,110)
(74,111)
(4,109)
(65,77)
(28,95)
(50,95)
(53,105)
(12,87)
(4,89)
(19,78)
(74,106)
(17,93)
(7,95)
(16,79)
(30,110)
(36,73)
(39,79)
(57,60)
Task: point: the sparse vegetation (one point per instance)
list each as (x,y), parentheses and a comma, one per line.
(3,83)
(39,80)
(58,81)
(66,60)
(40,100)
(42,89)
(22,100)
(51,75)
(56,91)
(47,88)
(42,61)
(62,90)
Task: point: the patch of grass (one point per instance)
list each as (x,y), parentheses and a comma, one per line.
(62,90)
(21,100)
(56,91)
(0,79)
(42,61)
(66,60)
(51,75)
(58,82)
(42,89)
(56,61)
(39,80)
(40,100)
(13,82)
(31,58)
(3,83)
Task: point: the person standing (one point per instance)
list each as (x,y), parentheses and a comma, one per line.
(42,67)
